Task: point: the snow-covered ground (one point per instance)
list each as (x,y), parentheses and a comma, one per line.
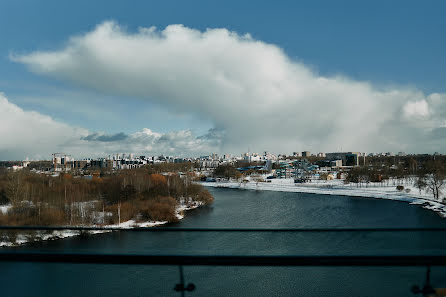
(23,238)
(410,193)
(4,208)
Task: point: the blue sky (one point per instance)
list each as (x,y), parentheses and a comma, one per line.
(388,44)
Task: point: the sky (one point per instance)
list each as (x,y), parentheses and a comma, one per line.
(92,78)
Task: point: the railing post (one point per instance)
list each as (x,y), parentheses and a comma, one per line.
(181,287)
(427,289)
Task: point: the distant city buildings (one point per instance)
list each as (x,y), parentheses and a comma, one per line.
(306,154)
(24,164)
(347,158)
(62,162)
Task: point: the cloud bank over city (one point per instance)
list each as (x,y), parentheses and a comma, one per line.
(34,135)
(254,94)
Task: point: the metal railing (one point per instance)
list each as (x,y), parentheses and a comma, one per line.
(228,260)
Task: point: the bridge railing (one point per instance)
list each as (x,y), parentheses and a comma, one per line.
(230,260)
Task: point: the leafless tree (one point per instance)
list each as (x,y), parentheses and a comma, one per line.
(435,178)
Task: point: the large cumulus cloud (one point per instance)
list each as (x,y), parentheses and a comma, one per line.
(250,90)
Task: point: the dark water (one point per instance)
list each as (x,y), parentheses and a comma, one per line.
(235,208)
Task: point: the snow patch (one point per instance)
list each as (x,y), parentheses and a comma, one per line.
(5,208)
(60,234)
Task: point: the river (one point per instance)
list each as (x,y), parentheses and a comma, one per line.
(246,209)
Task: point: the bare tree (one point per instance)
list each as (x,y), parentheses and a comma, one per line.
(14,187)
(420,183)
(435,178)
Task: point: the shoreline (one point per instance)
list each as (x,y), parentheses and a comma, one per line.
(22,239)
(337,187)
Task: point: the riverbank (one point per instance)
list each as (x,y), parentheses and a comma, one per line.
(34,236)
(410,193)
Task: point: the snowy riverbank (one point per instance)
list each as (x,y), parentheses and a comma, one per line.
(33,236)
(410,193)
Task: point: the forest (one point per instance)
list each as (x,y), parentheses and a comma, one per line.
(140,194)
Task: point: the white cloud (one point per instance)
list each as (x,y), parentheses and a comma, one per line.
(249,89)
(34,135)
(182,142)
(416,109)
(29,133)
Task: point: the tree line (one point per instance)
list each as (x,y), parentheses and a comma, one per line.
(426,174)
(139,194)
